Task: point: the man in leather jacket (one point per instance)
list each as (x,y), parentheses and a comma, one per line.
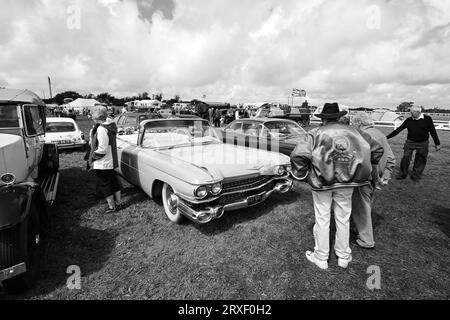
(334,158)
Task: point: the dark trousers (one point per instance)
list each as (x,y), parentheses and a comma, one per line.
(420,160)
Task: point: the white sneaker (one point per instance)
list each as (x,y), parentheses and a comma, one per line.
(343,263)
(312,258)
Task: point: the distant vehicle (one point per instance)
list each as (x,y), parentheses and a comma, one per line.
(128,123)
(278,135)
(28,182)
(197,176)
(299,115)
(143,105)
(165,112)
(65,133)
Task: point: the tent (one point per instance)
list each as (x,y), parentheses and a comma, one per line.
(80,104)
(385,115)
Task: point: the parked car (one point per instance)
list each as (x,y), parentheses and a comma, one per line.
(65,133)
(300,115)
(28,182)
(128,123)
(197,176)
(278,135)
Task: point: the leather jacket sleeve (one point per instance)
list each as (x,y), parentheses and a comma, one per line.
(376,149)
(301,158)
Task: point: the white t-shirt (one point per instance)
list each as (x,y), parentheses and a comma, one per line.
(105,163)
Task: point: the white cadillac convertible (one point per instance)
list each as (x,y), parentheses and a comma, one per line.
(198,176)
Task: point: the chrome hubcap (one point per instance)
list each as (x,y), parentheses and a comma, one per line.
(172,201)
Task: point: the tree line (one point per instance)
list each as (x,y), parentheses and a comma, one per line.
(406,107)
(108,98)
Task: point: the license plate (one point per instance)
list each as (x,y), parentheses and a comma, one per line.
(255,199)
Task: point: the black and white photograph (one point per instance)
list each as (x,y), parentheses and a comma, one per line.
(237,153)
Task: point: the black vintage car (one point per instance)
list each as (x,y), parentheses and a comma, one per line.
(29,177)
(129,122)
(279,135)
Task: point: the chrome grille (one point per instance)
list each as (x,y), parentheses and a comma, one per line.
(239,196)
(246,184)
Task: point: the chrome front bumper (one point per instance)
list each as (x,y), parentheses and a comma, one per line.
(215,212)
(71,145)
(13,271)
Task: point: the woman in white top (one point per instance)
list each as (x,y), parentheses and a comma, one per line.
(103,158)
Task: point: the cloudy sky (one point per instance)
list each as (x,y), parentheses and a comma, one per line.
(368,52)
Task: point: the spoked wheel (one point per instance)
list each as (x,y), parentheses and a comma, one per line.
(170,202)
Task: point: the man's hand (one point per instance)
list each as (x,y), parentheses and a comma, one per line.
(438,147)
(380,184)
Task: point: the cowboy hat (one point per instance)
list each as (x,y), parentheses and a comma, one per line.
(331,111)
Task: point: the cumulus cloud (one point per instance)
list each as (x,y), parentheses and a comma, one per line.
(375,53)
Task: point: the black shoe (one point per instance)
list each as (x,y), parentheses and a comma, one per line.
(119,206)
(401,176)
(415,179)
(110,210)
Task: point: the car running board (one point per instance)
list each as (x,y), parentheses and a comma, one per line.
(49,186)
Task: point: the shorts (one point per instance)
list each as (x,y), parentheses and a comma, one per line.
(108,182)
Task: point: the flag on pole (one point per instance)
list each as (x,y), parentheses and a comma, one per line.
(50,87)
(298,93)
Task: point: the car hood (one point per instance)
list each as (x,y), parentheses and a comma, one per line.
(223,161)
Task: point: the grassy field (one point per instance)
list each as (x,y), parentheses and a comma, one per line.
(248,254)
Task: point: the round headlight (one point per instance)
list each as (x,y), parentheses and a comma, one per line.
(216,188)
(8,178)
(201,192)
(281,170)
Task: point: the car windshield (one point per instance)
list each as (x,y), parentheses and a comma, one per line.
(178,133)
(283,129)
(8,116)
(60,127)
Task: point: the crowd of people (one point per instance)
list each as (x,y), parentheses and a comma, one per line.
(345,164)
(63,112)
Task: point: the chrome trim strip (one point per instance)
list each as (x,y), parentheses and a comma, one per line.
(13,271)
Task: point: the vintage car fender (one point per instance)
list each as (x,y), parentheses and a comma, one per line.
(15,203)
